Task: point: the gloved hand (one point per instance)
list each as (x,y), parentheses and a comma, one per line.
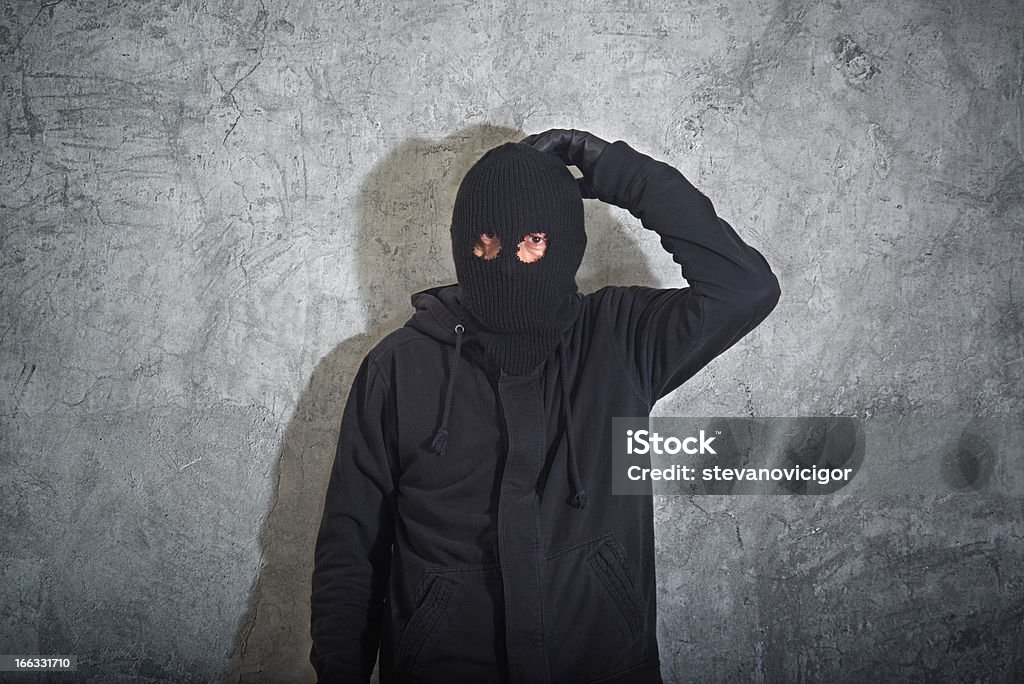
(577,148)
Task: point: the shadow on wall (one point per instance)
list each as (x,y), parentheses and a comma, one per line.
(402,246)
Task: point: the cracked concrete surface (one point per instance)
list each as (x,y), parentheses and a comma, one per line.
(209,211)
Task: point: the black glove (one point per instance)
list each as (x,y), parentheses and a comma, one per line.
(577,148)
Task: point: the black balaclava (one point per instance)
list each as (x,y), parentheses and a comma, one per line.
(511,191)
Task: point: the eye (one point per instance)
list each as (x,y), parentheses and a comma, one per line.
(532,247)
(487,246)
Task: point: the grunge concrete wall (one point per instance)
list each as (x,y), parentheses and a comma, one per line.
(209,211)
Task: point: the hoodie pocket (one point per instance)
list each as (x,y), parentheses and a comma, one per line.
(594,611)
(422,625)
(454,632)
(608,561)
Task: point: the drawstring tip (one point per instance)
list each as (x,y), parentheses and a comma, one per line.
(440,442)
(578,500)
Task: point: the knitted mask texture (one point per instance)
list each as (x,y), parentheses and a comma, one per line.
(514,190)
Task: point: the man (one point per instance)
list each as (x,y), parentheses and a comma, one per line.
(469,531)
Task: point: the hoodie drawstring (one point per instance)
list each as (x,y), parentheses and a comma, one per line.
(440,443)
(578,497)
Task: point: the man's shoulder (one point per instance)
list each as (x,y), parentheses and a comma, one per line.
(597,296)
(616,296)
(621,290)
(400,341)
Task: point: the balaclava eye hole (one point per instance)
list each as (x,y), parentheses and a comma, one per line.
(532,247)
(487,246)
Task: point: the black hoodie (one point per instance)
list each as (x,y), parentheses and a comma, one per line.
(497,552)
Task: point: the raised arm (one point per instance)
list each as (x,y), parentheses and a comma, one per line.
(670,334)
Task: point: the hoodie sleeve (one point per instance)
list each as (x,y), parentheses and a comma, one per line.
(352,555)
(668,335)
